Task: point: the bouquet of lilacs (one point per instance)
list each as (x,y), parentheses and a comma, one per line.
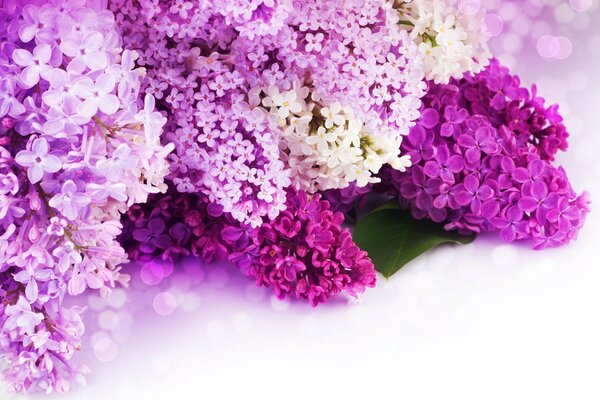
(77,148)
(257,132)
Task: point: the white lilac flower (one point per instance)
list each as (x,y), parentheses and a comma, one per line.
(327,146)
(333,115)
(451,41)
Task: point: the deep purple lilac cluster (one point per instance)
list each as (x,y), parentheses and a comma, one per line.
(304,252)
(480,154)
(496,94)
(346,199)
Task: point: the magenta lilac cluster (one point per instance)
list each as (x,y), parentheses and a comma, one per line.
(304,252)
(481,152)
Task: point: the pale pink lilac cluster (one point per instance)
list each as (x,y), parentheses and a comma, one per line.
(480,152)
(242,99)
(304,252)
(77,148)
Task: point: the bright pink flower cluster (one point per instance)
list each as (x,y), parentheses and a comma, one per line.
(304,252)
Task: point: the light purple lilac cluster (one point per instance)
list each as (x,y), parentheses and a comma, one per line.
(480,154)
(212,64)
(304,252)
(75,152)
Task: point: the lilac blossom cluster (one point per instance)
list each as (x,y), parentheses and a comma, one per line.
(304,252)
(280,116)
(451,35)
(480,156)
(75,151)
(234,76)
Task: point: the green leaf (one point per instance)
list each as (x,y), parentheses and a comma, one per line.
(393,238)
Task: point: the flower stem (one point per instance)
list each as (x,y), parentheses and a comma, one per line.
(44,198)
(104,128)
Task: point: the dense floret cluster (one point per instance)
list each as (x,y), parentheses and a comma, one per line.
(304,252)
(75,152)
(319,99)
(480,152)
(451,35)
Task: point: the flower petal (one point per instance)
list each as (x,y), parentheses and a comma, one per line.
(23,58)
(30,76)
(109,104)
(25,158)
(42,53)
(528,204)
(466,141)
(40,147)
(35,173)
(31,290)
(51,163)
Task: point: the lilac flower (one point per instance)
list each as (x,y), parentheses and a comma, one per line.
(303,252)
(21,317)
(122,160)
(473,193)
(480,141)
(289,267)
(420,188)
(537,198)
(67,256)
(532,173)
(30,276)
(227,139)
(444,166)
(70,202)
(97,96)
(565,215)
(35,65)
(153,237)
(9,105)
(343,200)
(83,277)
(61,89)
(153,120)
(524,114)
(86,50)
(35,21)
(65,178)
(418,144)
(38,160)
(313,41)
(181,7)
